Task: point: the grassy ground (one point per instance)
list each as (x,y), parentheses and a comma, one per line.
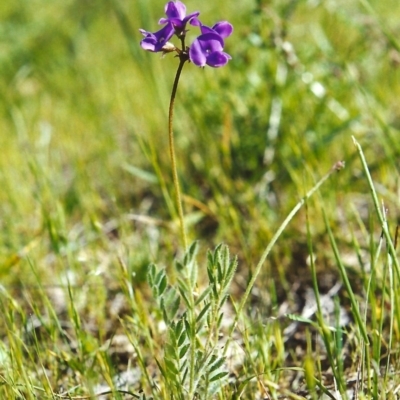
(87,206)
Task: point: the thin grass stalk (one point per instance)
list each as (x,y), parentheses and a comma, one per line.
(394,262)
(393,302)
(346,282)
(378,352)
(371,304)
(387,274)
(336,167)
(385,229)
(369,282)
(132,301)
(311,385)
(313,269)
(140,358)
(325,332)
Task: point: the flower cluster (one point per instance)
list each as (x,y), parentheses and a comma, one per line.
(207,48)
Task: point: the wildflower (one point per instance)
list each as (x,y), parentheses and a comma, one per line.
(176,16)
(208,47)
(175,24)
(157,41)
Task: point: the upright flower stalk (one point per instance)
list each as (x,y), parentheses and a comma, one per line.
(206,49)
(175,179)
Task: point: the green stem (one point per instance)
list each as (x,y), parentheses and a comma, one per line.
(178,198)
(385,228)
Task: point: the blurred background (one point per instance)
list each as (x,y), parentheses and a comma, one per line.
(85,173)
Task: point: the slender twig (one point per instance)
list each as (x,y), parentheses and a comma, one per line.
(178,199)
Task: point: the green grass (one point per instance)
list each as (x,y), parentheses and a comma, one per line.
(91,263)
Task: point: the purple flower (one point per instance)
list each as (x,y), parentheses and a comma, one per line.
(176,15)
(208,47)
(157,41)
(175,24)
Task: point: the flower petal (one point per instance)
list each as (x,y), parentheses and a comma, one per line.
(176,15)
(143,32)
(208,49)
(156,41)
(223,28)
(195,21)
(148,44)
(196,54)
(175,10)
(206,29)
(218,59)
(211,42)
(190,17)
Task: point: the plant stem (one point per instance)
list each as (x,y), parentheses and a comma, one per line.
(178,198)
(385,229)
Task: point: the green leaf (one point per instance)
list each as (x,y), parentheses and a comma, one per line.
(193,274)
(188,328)
(170,350)
(191,253)
(211,277)
(140,173)
(299,318)
(203,295)
(182,339)
(179,266)
(182,284)
(203,312)
(184,296)
(179,330)
(219,322)
(231,271)
(210,259)
(215,364)
(222,301)
(161,369)
(171,300)
(218,376)
(184,374)
(165,314)
(159,276)
(162,285)
(151,274)
(171,368)
(183,350)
